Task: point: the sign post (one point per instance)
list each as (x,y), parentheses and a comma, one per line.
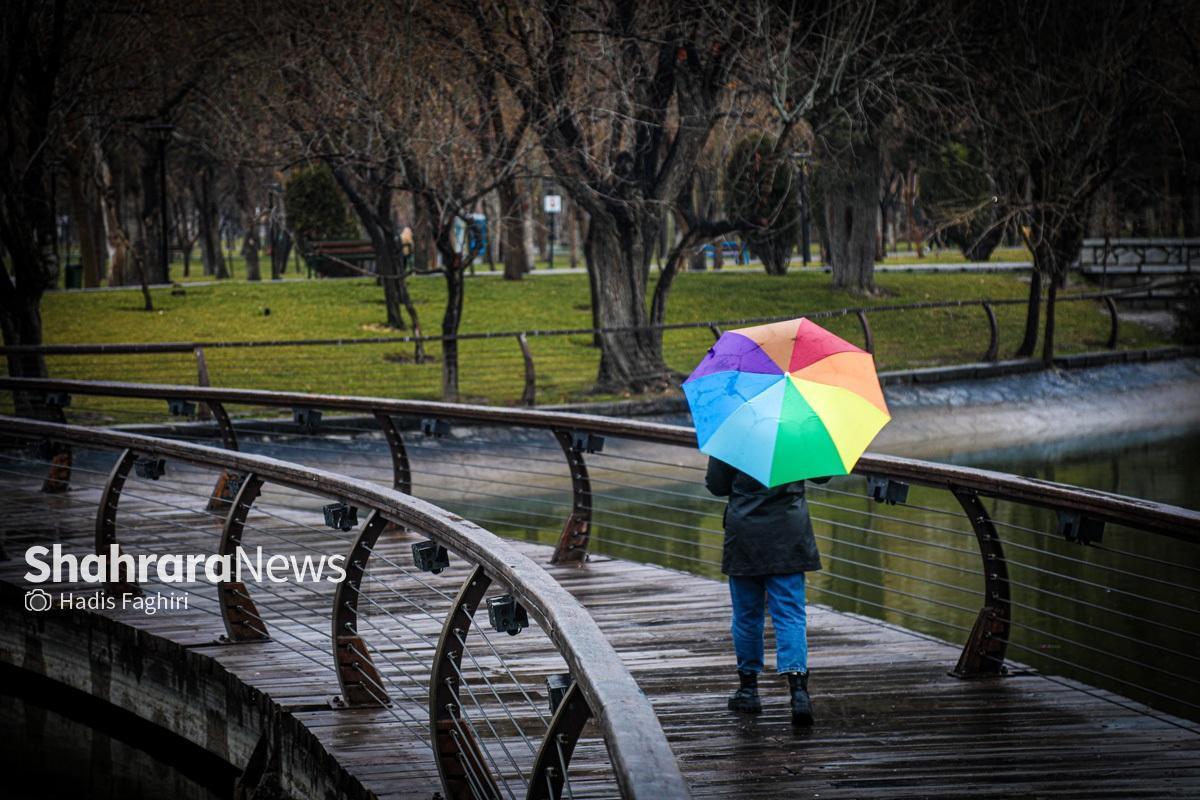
(552,205)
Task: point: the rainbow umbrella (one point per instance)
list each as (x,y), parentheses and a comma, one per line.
(786,401)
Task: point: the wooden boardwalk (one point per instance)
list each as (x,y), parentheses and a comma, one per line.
(891,721)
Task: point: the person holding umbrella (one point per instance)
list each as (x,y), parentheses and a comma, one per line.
(773,406)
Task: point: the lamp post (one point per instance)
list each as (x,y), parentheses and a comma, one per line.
(801,159)
(162,133)
(552,205)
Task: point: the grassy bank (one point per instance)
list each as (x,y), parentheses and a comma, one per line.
(492,369)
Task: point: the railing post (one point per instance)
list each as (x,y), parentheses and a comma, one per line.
(868,338)
(529,393)
(242,621)
(1114,322)
(983,654)
(554,756)
(106,522)
(716,330)
(460,762)
(573,543)
(360,681)
(401,468)
(222,492)
(202,379)
(993,350)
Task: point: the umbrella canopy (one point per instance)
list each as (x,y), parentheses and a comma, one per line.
(786,401)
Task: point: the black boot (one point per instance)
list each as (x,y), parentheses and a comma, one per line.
(745,699)
(802,710)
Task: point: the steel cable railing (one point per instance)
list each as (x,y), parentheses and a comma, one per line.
(536,366)
(401,639)
(1061,602)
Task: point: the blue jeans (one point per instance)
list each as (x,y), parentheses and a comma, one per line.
(785,595)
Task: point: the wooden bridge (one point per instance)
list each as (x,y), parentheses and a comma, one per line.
(394,682)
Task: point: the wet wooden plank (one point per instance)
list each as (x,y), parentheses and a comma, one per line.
(891,722)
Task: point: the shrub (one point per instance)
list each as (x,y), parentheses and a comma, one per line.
(315,206)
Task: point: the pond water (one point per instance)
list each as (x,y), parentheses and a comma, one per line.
(1122,613)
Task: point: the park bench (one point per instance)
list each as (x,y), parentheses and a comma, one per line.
(340,258)
(729,249)
(1139,256)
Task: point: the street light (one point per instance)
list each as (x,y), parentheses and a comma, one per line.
(162,133)
(801,160)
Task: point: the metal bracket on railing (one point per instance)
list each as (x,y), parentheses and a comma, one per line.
(573,542)
(360,681)
(461,764)
(431,426)
(554,757)
(308,419)
(868,338)
(178,407)
(993,350)
(529,393)
(242,621)
(886,490)
(106,522)
(401,469)
(1114,322)
(1076,527)
(983,654)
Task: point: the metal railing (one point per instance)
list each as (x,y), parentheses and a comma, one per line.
(535,367)
(397,637)
(1075,582)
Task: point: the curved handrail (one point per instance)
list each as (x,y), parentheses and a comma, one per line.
(1145,515)
(643,761)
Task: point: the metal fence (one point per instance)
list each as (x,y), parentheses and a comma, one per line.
(540,367)
(1027,574)
(411,630)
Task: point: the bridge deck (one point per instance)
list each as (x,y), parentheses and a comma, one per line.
(891,722)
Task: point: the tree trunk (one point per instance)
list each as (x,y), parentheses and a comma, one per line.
(208,222)
(251,242)
(571,223)
(21,324)
(1032,313)
(84,216)
(1048,339)
(619,256)
(512,218)
(451,320)
(150,242)
(119,271)
(422,248)
(851,206)
(528,200)
(281,248)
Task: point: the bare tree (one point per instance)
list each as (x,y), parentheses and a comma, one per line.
(1054,119)
(622,97)
(844,69)
(385,125)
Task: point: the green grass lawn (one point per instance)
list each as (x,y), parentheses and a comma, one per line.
(491,370)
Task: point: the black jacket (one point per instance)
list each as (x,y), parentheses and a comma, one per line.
(767,531)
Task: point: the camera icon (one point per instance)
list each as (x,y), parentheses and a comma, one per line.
(38,600)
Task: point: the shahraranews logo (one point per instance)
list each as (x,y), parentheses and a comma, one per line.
(117,566)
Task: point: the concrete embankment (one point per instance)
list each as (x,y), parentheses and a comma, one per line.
(944,420)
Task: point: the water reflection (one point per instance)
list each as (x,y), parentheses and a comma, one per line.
(1123,614)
